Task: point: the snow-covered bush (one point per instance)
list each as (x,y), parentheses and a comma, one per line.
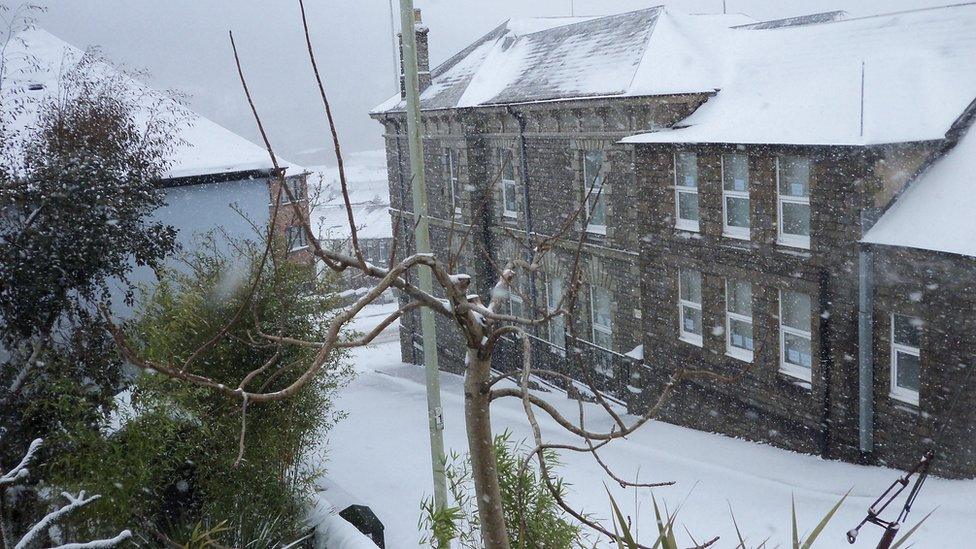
(185,458)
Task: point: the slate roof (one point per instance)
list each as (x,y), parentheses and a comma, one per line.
(645,52)
(37,58)
(803,85)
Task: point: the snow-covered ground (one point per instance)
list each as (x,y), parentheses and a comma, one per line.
(381,454)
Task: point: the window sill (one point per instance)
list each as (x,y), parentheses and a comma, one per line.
(905,399)
(298,249)
(736,236)
(795,375)
(689,228)
(697,342)
(740,354)
(793,251)
(510,215)
(791,243)
(600,230)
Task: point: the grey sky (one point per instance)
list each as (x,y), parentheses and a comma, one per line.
(184,45)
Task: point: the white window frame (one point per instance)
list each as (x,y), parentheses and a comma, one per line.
(903,394)
(555,346)
(299,243)
(588,195)
(688,337)
(731,350)
(506,183)
(740,233)
(596,327)
(453,179)
(788,368)
(679,189)
(787,239)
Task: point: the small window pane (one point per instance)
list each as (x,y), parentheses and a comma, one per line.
(601,307)
(686,171)
(688,206)
(592,164)
(508,165)
(296,238)
(296,188)
(557,326)
(690,282)
(509,192)
(691,320)
(735,169)
(598,209)
(603,339)
(796,350)
(796,219)
(737,212)
(740,334)
(795,309)
(794,176)
(908,331)
(907,371)
(515,301)
(740,298)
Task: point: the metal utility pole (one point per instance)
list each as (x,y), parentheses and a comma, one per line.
(422,241)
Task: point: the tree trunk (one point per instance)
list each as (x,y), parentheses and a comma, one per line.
(477,415)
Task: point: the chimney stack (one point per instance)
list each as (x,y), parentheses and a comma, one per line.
(423,55)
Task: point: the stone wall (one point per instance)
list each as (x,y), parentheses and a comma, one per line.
(939,289)
(638,258)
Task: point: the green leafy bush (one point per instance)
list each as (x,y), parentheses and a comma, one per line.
(171,465)
(532,515)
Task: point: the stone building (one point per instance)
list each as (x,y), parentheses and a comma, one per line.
(740,164)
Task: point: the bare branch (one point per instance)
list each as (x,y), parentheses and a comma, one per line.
(335,140)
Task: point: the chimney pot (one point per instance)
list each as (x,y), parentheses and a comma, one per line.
(417,16)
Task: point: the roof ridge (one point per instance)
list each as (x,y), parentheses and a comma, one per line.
(759,23)
(658,8)
(875,15)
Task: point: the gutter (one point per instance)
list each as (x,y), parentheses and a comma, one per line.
(865,338)
(865,346)
(524,168)
(403,203)
(826,361)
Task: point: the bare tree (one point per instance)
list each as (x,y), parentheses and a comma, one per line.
(36,533)
(479,320)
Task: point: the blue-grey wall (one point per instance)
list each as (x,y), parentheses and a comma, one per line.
(195,210)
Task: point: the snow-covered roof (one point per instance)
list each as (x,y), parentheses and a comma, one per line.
(38,58)
(369,193)
(938,209)
(646,52)
(803,84)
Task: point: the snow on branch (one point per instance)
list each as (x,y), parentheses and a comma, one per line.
(33,535)
(99,543)
(20,471)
